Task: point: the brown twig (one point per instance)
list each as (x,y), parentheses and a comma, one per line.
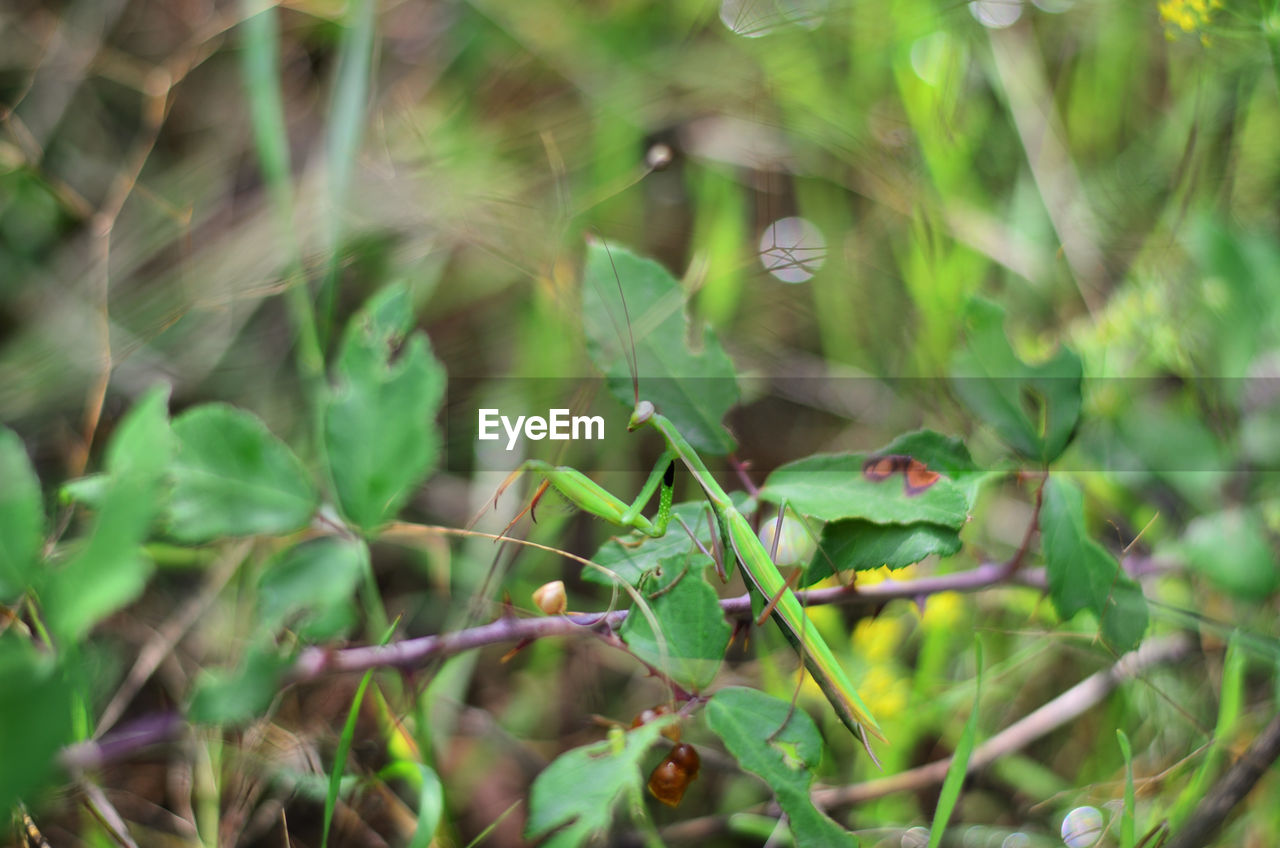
(1069,705)
(1019,556)
(1230,790)
(1085,695)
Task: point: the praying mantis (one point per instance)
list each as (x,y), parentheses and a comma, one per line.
(736,537)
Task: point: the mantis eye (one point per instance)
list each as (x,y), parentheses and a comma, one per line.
(643,412)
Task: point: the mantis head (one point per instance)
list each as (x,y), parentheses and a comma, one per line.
(643,412)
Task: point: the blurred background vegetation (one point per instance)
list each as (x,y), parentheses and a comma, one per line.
(1108,172)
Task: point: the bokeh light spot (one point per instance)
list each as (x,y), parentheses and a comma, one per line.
(929,57)
(916,837)
(754,18)
(996,14)
(1082,827)
(792,249)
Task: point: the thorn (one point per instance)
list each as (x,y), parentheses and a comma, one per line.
(524,643)
(537,496)
(508,608)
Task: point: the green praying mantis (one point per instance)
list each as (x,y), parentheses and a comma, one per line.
(735,534)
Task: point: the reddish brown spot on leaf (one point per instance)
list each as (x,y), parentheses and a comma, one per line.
(916,476)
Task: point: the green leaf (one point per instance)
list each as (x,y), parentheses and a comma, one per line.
(232,477)
(832,487)
(1170,440)
(380,432)
(959,766)
(21,517)
(578,790)
(35,718)
(748,721)
(1082,575)
(1033,408)
(232,697)
(110,569)
(311,586)
(1236,298)
(755,829)
(694,632)
(693,389)
(88,490)
(1231,549)
(860,545)
(143,442)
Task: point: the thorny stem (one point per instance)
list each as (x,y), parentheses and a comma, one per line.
(316,662)
(1033,526)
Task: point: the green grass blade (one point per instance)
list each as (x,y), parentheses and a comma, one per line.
(344,746)
(346,124)
(340,758)
(959,762)
(1231,697)
(484,834)
(1128,830)
(261,63)
(430,806)
(261,69)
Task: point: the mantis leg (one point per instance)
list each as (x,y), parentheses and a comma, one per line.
(587,495)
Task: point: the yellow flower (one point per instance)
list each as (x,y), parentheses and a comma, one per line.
(877,639)
(883,689)
(1188,15)
(942,610)
(872,576)
(885,693)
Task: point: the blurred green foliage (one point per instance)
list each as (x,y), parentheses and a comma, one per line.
(201,196)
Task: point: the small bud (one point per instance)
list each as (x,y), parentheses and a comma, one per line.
(550,597)
(659,156)
(671,731)
(674,774)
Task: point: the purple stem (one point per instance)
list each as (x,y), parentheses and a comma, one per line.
(316,662)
